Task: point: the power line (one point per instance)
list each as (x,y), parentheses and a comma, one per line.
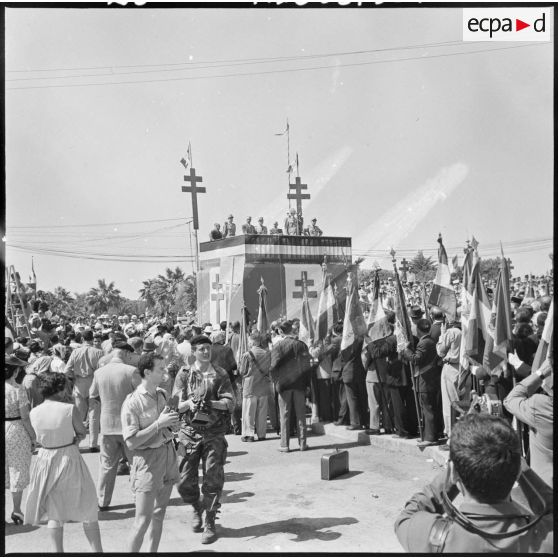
(267,72)
(239,61)
(185,219)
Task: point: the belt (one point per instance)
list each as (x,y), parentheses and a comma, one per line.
(12,418)
(150,448)
(58,447)
(451,362)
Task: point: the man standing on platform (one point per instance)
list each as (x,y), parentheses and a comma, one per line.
(290,370)
(261,228)
(229,229)
(313,229)
(80,368)
(216,233)
(275,229)
(206,399)
(248,228)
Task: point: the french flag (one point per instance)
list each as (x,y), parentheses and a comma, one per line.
(442,294)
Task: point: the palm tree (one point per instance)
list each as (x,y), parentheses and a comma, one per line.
(101,298)
(146,293)
(423,267)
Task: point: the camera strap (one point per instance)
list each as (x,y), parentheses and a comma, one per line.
(455,515)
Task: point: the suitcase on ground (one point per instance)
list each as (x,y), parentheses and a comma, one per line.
(335,464)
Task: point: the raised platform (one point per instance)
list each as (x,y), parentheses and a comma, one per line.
(231,271)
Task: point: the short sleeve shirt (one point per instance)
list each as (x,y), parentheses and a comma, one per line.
(140,410)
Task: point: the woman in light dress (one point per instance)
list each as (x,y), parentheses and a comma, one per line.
(61,488)
(19,435)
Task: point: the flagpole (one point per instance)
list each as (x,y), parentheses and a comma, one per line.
(288,160)
(230,301)
(411,364)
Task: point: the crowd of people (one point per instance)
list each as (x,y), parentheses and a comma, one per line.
(293,226)
(158,397)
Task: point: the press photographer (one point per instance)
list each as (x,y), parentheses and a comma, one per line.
(485,462)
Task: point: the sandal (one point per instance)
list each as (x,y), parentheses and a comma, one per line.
(17,518)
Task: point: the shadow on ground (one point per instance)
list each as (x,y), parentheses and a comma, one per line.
(304,528)
(236,453)
(12,529)
(333,446)
(232,497)
(233,477)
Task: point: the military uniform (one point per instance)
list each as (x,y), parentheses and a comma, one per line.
(203,442)
(248,228)
(314,230)
(275,230)
(229,229)
(261,229)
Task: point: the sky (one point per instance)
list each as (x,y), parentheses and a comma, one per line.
(402,130)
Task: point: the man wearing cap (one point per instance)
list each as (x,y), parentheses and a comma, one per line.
(80,369)
(248,228)
(111,385)
(215,233)
(206,400)
(229,228)
(275,229)
(261,228)
(313,229)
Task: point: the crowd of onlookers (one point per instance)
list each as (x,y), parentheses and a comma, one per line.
(276,378)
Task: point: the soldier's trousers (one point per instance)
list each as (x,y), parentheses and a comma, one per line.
(213,453)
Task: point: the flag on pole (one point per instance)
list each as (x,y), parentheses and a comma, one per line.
(189,154)
(297,166)
(501,311)
(184,163)
(243,342)
(442,294)
(353,324)
(307,332)
(284,131)
(263,324)
(466,300)
(378,326)
(474,243)
(546,342)
(327,308)
(479,317)
(402,331)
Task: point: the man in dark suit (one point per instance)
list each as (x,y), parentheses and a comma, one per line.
(354,380)
(290,371)
(425,358)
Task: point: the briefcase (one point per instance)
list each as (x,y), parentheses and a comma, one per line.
(335,464)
